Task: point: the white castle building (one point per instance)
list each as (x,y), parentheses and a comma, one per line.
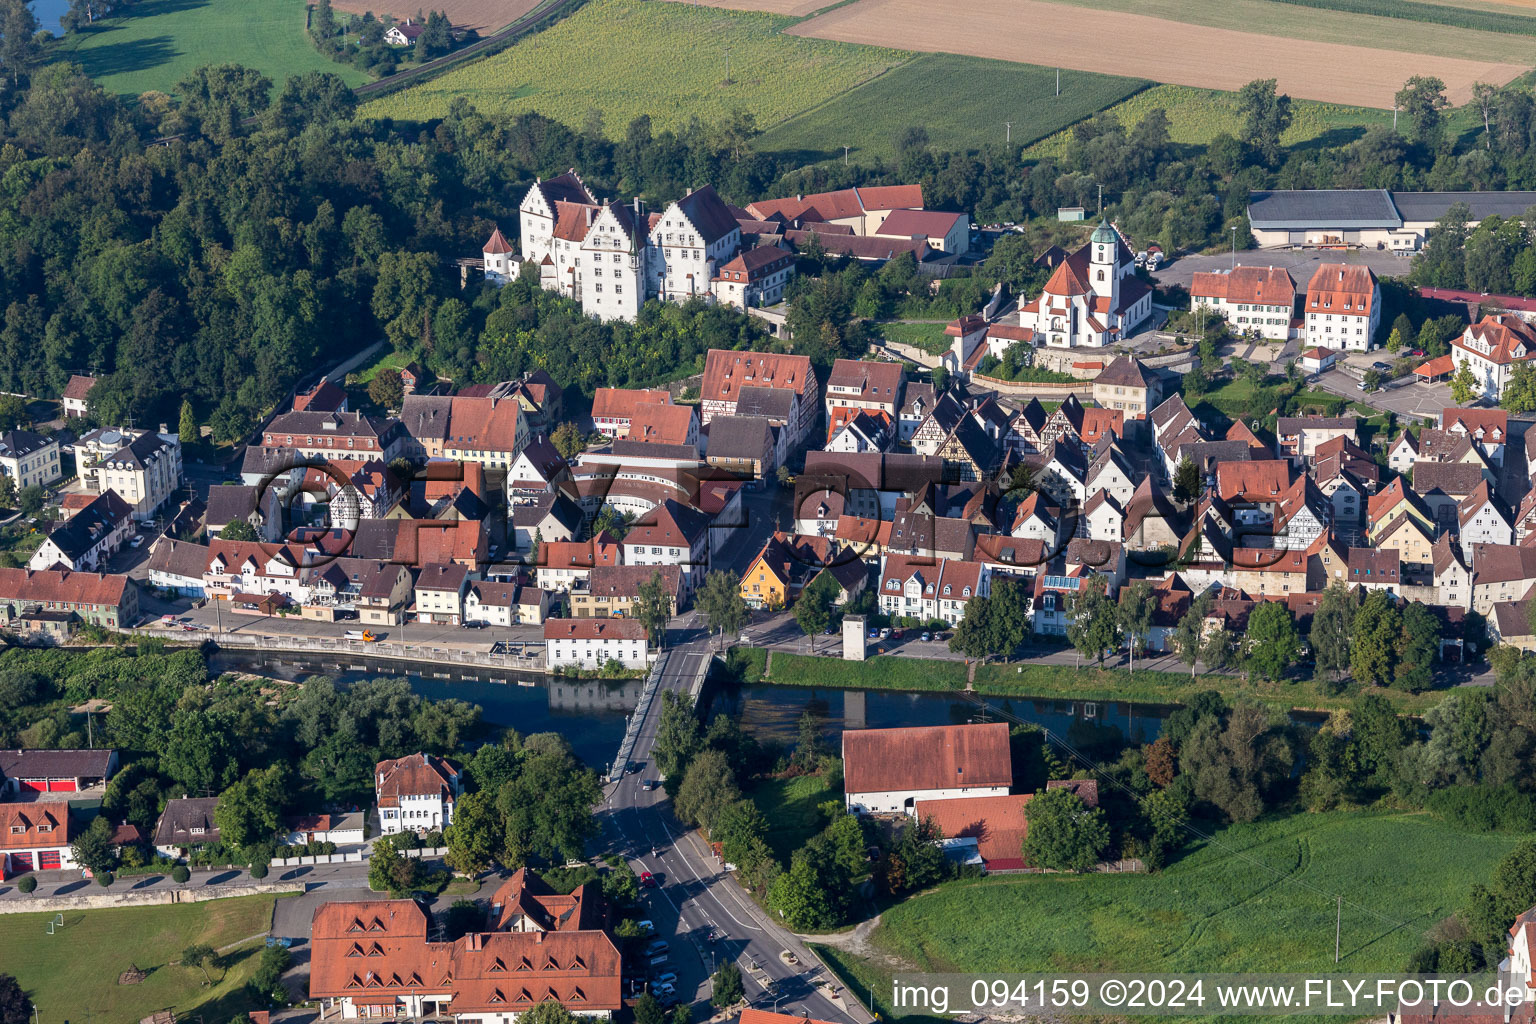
(611,257)
(1093,298)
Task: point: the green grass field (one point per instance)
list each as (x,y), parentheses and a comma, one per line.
(790,807)
(72,974)
(1198,115)
(663,59)
(158,42)
(925,92)
(928,336)
(877,673)
(1258,898)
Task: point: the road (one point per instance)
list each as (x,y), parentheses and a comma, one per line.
(696,897)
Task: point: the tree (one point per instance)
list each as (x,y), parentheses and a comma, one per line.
(1371,379)
(387,389)
(1266,116)
(727,989)
(567,440)
(997,624)
(1418,648)
(939,375)
(15,1007)
(1095,626)
(251,810)
(476,833)
(1422,98)
(1463,384)
(238,529)
(708,787)
(7,490)
(1136,607)
(677,735)
(30,500)
(1377,632)
(389,872)
(653,607)
(813,608)
(20,51)
(1064,833)
(216,100)
(1485,98)
(1189,635)
(647,1010)
(323,25)
(721,602)
(435,39)
(199,956)
(1332,628)
(547,808)
(187,431)
(267,983)
(1161,764)
(1272,642)
(1220,649)
(93,848)
(548,1012)
(1186,480)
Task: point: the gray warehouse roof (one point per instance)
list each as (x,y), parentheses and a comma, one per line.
(1297,209)
(1431,206)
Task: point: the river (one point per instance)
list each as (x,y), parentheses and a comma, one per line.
(592,714)
(49,13)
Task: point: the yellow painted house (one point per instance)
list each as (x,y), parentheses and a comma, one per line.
(767,582)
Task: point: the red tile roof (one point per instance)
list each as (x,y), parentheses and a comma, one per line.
(64,586)
(1335,285)
(41,824)
(996,822)
(497,243)
(593,629)
(1509,339)
(932,757)
(1253,481)
(621,403)
(1488,425)
(654,423)
(918,224)
(79,387)
(414,775)
(1268,286)
(726,372)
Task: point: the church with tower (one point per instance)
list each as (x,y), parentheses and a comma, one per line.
(1093,298)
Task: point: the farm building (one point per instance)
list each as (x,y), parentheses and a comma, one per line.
(888,771)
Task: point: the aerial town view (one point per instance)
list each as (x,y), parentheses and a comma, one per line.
(841,511)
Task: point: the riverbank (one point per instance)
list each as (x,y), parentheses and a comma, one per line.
(1024,679)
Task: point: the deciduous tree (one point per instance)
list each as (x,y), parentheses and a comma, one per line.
(1095,626)
(1064,833)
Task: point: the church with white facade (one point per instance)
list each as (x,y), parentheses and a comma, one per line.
(1093,299)
(612,257)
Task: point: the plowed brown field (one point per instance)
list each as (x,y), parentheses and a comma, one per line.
(1116,43)
(481,15)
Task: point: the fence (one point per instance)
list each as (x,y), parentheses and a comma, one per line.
(355,857)
(1047,390)
(637,719)
(530,658)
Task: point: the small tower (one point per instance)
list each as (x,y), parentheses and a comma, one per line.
(497,253)
(1104,268)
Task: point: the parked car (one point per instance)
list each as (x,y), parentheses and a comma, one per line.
(1417,352)
(874,634)
(927,637)
(885,632)
(136,542)
(1381,366)
(896,634)
(666,978)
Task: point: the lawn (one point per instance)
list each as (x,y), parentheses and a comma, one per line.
(157,43)
(928,336)
(790,805)
(924,92)
(1257,898)
(878,673)
(72,974)
(1198,115)
(662,59)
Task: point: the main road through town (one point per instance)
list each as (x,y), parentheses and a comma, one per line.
(695,898)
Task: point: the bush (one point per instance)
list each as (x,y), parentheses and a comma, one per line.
(1484,808)
(27,884)
(104,879)
(259,869)
(179,873)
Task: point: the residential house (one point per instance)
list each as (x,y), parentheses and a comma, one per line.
(1103,518)
(1510,624)
(1413,543)
(921,533)
(1254,300)
(1500,572)
(1128,386)
(654,423)
(538,469)
(1151,520)
(88,538)
(671,534)
(76,398)
(1269,571)
(229,502)
(1035,518)
(1443,486)
(100,599)
(553,518)
(1375,569)
(781,569)
(1111,471)
(560,565)
(1105,558)
(1298,438)
(489,430)
(614,408)
(382,594)
(611,591)
(922,589)
(1492,348)
(403,33)
(1395,499)
(1488,427)
(440,594)
(186,822)
(1403,453)
(864,384)
(424,425)
(1453,580)
(887,771)
(756,277)
(997,823)
(326,396)
(505,604)
(728,372)
(1482,521)
(944,232)
(917,402)
(856,430)
(415,793)
(341,829)
(319,436)
(593,643)
(29,459)
(743,445)
(178,566)
(1342,308)
(34,837)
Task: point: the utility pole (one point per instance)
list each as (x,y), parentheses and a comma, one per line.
(845,156)
(1058,81)
(1338,921)
(1234,247)
(727,65)
(1101,201)
(1009,126)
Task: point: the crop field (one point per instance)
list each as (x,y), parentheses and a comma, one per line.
(1198,115)
(1258,898)
(1140,45)
(662,59)
(788,8)
(481,15)
(157,43)
(925,90)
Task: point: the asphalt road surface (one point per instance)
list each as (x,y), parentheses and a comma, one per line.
(696,898)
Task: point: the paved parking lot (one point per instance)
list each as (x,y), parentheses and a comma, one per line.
(1300,262)
(1414,400)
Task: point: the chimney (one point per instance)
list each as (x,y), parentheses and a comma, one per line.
(538,938)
